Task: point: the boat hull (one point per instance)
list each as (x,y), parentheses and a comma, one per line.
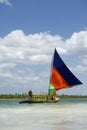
(38,101)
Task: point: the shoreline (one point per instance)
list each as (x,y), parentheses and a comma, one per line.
(60,98)
(38,96)
(12,99)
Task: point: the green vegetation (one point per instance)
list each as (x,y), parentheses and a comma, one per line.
(63,96)
(37,96)
(40,96)
(13,96)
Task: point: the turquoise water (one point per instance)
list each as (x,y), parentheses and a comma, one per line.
(70,114)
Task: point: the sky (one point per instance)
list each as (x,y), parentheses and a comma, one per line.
(30,30)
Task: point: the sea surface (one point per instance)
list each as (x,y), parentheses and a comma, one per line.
(67,114)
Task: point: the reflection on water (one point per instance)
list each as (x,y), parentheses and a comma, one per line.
(65,115)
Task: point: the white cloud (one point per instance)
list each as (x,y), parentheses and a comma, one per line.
(85,59)
(19,52)
(36,48)
(80,69)
(7,65)
(77,43)
(7,2)
(5,75)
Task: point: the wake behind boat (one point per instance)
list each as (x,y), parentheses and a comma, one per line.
(60,77)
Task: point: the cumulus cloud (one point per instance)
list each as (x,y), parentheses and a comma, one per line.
(80,69)
(35,48)
(85,59)
(21,55)
(38,48)
(7,2)
(77,43)
(7,65)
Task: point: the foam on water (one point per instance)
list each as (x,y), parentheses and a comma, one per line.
(60,116)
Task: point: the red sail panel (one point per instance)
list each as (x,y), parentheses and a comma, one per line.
(57,80)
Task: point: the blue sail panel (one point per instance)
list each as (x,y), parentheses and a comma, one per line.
(64,71)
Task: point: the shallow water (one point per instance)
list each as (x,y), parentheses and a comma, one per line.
(70,114)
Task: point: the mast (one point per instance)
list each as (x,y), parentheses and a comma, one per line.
(51,89)
(61,77)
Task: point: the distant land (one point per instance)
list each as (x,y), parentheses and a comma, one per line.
(24,95)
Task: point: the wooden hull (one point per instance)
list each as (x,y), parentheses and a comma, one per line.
(39,101)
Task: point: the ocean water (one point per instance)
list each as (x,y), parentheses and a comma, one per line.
(69,114)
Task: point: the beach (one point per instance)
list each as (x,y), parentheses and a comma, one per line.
(68,114)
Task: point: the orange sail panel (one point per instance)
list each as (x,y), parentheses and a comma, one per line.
(57,80)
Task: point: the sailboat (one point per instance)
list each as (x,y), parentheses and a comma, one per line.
(61,77)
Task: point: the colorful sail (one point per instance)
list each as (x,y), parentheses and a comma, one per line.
(61,76)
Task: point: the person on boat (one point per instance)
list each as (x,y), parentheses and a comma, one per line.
(29,96)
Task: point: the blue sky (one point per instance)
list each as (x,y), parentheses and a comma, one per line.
(30,30)
(59,17)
